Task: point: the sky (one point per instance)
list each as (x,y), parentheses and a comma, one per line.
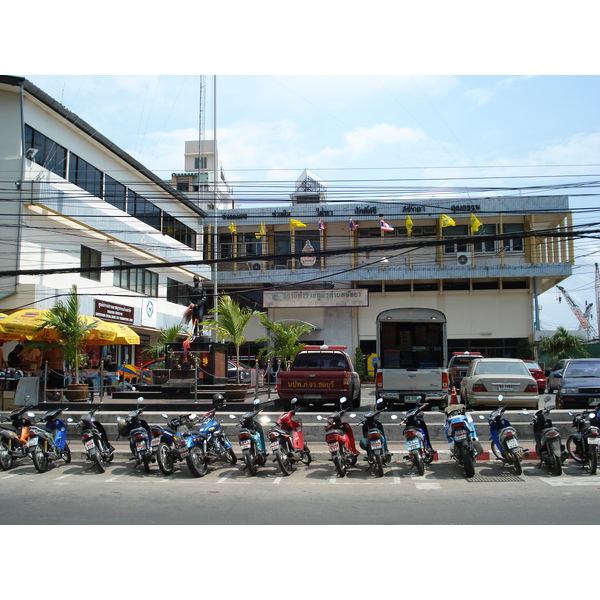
(523,114)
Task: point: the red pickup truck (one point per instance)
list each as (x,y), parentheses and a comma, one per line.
(320,375)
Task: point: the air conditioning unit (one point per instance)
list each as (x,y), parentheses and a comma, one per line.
(464,259)
(255,265)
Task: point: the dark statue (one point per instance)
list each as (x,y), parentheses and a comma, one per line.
(197,300)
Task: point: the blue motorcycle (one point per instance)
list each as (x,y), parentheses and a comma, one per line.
(252,439)
(171,443)
(215,442)
(505,444)
(50,442)
(416,437)
(462,437)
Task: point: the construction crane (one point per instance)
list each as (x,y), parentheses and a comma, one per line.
(582,317)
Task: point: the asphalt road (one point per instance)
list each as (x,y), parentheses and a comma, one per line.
(74,494)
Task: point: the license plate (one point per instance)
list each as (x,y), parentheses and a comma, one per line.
(334,447)
(32,442)
(183,452)
(460,435)
(512,443)
(89,444)
(412,398)
(155,442)
(505,388)
(594,440)
(412,444)
(376,445)
(245,444)
(141,446)
(312,396)
(275,447)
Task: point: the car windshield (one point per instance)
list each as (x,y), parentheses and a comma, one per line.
(501,368)
(534,366)
(582,369)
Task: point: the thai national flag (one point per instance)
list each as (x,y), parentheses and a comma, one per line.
(385,226)
(322,225)
(353,225)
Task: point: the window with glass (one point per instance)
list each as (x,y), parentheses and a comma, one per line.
(513,244)
(177,292)
(90,258)
(84,175)
(115,193)
(487,245)
(135,279)
(456,232)
(49,155)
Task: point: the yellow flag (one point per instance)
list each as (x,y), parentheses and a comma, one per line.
(263,231)
(296,223)
(409,224)
(446,221)
(475,223)
(232,227)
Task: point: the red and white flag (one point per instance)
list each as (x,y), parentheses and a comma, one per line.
(322,225)
(385,226)
(353,225)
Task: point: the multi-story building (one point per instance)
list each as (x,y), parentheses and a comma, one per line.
(337,265)
(78,209)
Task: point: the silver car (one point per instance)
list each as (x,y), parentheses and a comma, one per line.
(487,378)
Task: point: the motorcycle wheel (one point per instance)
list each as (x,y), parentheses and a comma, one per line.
(164,458)
(146,461)
(283,459)
(40,459)
(306,455)
(66,454)
(571,449)
(428,458)
(516,461)
(496,451)
(250,460)
(593,450)
(554,451)
(378,465)
(467,461)
(340,464)
(97,460)
(417,461)
(6,459)
(196,462)
(230,456)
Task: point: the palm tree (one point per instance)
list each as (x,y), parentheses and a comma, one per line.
(166,336)
(72,328)
(562,345)
(233,320)
(285,339)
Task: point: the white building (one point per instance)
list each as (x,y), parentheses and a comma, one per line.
(78,209)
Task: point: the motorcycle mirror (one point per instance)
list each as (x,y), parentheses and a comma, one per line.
(193,416)
(343,399)
(256,401)
(592,415)
(393,417)
(319,418)
(165,416)
(140,399)
(379,401)
(69,420)
(265,420)
(500,397)
(481,417)
(294,400)
(232,416)
(30,415)
(525,412)
(352,415)
(570,413)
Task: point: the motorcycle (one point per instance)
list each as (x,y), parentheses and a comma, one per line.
(340,440)
(14,437)
(582,446)
(462,437)
(547,441)
(212,438)
(95,441)
(139,434)
(171,444)
(416,437)
(504,442)
(252,439)
(287,441)
(374,440)
(49,443)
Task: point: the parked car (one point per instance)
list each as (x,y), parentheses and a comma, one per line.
(458,365)
(554,375)
(579,385)
(538,375)
(486,378)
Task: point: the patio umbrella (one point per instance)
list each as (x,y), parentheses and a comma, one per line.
(125,336)
(22,325)
(5,337)
(128,371)
(101,335)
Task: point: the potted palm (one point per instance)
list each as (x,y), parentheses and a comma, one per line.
(160,350)
(231,324)
(73,330)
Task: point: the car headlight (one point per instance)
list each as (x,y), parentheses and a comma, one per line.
(570,390)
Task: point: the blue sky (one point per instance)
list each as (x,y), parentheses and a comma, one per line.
(346,92)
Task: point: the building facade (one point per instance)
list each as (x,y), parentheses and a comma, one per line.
(337,265)
(79,210)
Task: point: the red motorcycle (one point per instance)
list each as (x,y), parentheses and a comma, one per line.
(340,440)
(287,442)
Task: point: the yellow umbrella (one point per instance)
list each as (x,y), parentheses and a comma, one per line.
(101,335)
(5,337)
(22,325)
(125,336)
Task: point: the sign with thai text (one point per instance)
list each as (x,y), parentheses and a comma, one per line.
(312,298)
(113,312)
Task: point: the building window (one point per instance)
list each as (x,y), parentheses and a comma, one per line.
(455,232)
(137,280)
(84,175)
(115,193)
(177,292)
(513,244)
(49,155)
(90,258)
(200,162)
(488,245)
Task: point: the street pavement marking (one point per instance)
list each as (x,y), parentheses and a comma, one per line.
(425,482)
(278,479)
(568,482)
(62,476)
